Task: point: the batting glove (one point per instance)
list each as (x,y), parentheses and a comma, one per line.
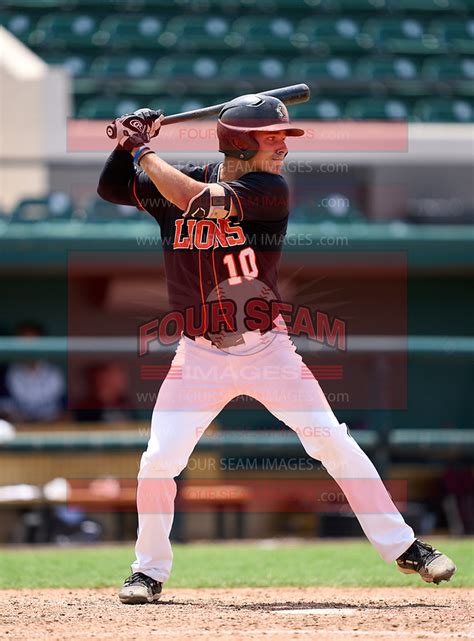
(152,119)
(131,132)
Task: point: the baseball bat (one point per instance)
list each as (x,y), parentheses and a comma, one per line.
(291,95)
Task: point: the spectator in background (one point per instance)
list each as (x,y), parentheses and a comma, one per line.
(32,390)
(107,399)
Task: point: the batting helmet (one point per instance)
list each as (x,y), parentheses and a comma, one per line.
(247,114)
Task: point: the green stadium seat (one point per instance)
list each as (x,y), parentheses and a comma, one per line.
(336,34)
(57,206)
(189,33)
(107,107)
(101,211)
(210,6)
(132,31)
(337,207)
(120,66)
(317,109)
(113,106)
(78,65)
(344,7)
(20,25)
(458,34)
(326,69)
(429,6)
(449,68)
(376,109)
(393,68)
(254,6)
(253,68)
(262,33)
(180,68)
(132,6)
(174,5)
(444,110)
(41,4)
(66,31)
(328,208)
(402,35)
(177,105)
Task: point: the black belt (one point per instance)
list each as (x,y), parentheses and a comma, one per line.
(221,340)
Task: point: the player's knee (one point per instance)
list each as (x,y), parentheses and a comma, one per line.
(325,440)
(161,464)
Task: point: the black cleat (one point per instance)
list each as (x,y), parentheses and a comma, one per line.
(140,588)
(432,565)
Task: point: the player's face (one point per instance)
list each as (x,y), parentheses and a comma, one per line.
(271,153)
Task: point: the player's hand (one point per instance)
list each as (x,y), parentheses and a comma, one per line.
(152,119)
(131,131)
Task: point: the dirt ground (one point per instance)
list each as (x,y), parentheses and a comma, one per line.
(329,614)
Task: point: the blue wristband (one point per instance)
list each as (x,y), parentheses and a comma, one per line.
(138,152)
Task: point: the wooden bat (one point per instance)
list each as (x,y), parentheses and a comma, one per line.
(291,95)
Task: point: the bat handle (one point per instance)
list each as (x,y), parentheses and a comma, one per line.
(111,130)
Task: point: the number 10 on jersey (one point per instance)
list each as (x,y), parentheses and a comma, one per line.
(248,265)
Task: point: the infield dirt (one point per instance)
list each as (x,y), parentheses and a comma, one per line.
(276,614)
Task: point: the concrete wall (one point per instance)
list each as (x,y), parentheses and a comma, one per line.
(34,105)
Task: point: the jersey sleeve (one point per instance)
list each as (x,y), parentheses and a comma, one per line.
(122,183)
(259,196)
(145,195)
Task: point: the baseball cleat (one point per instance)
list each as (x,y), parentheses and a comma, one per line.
(432,565)
(140,588)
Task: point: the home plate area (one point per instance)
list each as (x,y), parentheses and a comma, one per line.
(424,612)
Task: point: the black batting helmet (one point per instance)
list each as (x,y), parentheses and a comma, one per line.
(246,114)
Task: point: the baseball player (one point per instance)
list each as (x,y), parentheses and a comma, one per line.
(222,229)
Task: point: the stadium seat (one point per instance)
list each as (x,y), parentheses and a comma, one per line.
(449,68)
(353,6)
(133,6)
(177,105)
(78,65)
(318,109)
(57,206)
(107,107)
(20,24)
(41,4)
(131,66)
(393,68)
(337,207)
(113,106)
(66,31)
(336,34)
(325,69)
(252,69)
(377,109)
(176,5)
(457,34)
(254,6)
(428,6)
(189,33)
(188,67)
(405,36)
(328,208)
(101,211)
(210,6)
(132,31)
(444,110)
(262,33)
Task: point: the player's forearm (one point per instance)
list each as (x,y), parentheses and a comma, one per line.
(170,182)
(115,176)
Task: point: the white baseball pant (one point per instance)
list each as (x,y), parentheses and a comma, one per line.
(187,404)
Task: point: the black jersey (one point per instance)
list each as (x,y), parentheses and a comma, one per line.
(209,261)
